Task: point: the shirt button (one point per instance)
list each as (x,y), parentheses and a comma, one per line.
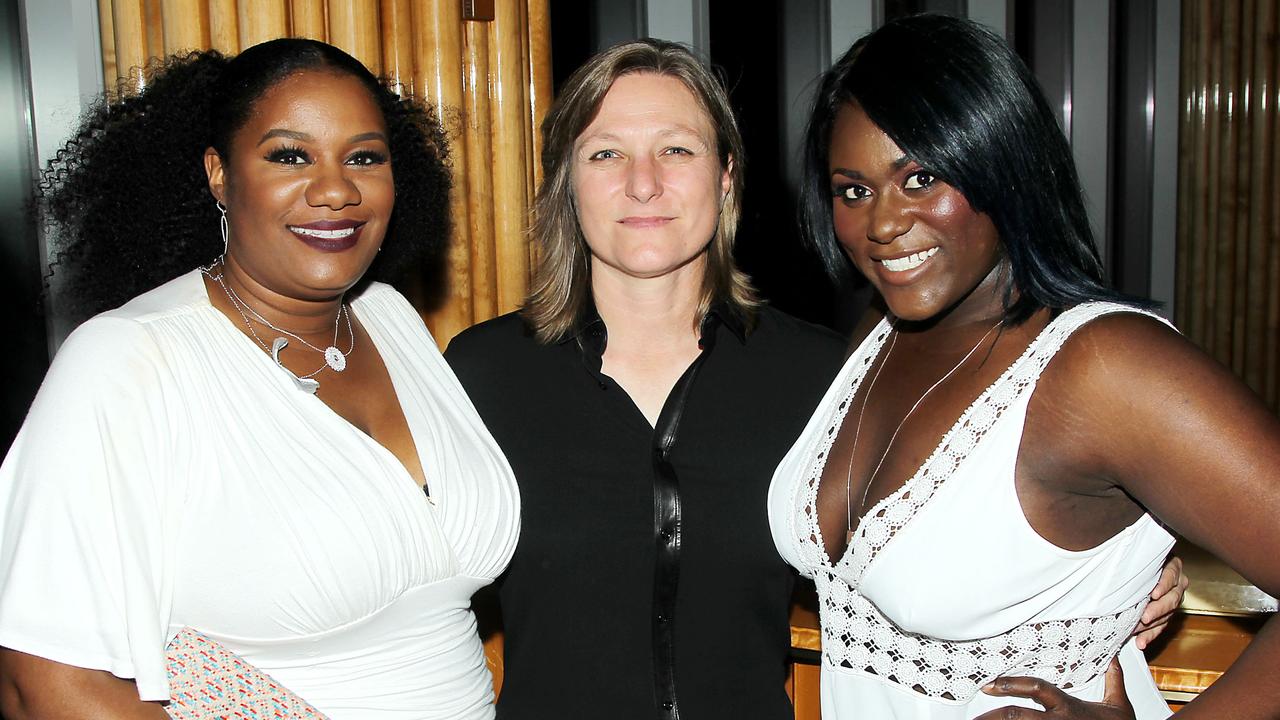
(667,705)
(666,534)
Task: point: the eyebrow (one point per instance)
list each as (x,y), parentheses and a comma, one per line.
(855,175)
(304,137)
(664,133)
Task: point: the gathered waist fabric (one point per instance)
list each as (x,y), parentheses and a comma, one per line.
(419,657)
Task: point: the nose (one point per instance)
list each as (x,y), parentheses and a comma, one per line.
(332,188)
(889,219)
(644,179)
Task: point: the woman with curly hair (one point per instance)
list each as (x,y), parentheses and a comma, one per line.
(263,457)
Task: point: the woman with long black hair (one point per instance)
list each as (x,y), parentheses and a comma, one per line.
(985,488)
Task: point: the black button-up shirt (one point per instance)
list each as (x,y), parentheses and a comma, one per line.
(645,584)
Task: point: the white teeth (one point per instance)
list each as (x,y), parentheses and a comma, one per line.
(323,234)
(914,260)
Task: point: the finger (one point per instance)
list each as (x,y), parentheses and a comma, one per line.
(1166,596)
(1114,693)
(1011,713)
(1041,691)
(1168,578)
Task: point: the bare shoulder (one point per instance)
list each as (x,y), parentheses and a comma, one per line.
(1129,353)
(1130,380)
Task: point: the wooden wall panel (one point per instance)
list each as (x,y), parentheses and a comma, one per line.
(107,35)
(224,26)
(489,80)
(479,181)
(438,75)
(261,20)
(130,43)
(307,19)
(1228,257)
(397,44)
(185,24)
(152,18)
(354,26)
(509,138)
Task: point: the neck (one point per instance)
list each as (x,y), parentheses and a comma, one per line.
(660,312)
(310,318)
(982,307)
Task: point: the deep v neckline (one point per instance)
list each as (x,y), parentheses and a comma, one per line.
(397,388)
(880,523)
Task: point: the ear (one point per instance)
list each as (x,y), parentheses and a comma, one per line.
(726,181)
(214,168)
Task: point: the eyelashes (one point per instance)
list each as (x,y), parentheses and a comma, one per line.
(288,155)
(294,155)
(917,180)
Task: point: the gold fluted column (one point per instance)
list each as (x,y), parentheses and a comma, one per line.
(107,34)
(185,26)
(129,43)
(509,137)
(540,91)
(438,77)
(306,19)
(397,44)
(490,81)
(261,20)
(1228,261)
(354,26)
(479,181)
(224,26)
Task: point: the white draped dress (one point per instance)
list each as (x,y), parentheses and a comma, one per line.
(945,584)
(170,474)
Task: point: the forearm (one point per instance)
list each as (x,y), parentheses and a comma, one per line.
(1250,689)
(33,688)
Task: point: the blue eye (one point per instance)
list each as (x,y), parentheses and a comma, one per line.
(919,180)
(604,155)
(677,151)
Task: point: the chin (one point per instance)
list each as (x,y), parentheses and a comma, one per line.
(911,309)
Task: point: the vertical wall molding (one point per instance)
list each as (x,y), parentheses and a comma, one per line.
(1228,264)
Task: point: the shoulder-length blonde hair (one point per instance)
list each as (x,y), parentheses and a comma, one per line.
(561,285)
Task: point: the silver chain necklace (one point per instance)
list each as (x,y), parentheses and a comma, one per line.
(334,358)
(857,430)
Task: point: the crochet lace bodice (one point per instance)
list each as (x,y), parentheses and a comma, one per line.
(1047,612)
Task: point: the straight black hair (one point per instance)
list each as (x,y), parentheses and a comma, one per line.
(957,100)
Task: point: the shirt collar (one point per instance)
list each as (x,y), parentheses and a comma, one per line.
(591,333)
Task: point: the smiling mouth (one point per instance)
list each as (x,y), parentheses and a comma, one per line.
(335,234)
(910,262)
(329,236)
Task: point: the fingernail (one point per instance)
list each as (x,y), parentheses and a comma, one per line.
(989,686)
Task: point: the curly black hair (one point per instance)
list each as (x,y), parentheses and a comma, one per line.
(127,201)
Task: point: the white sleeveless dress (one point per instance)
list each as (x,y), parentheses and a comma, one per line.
(171,475)
(946,585)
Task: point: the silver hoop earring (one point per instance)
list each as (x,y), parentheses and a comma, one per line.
(222,225)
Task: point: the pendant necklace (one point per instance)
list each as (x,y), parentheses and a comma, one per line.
(334,358)
(857,430)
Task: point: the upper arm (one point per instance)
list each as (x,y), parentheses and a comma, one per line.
(33,687)
(86,511)
(1177,432)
